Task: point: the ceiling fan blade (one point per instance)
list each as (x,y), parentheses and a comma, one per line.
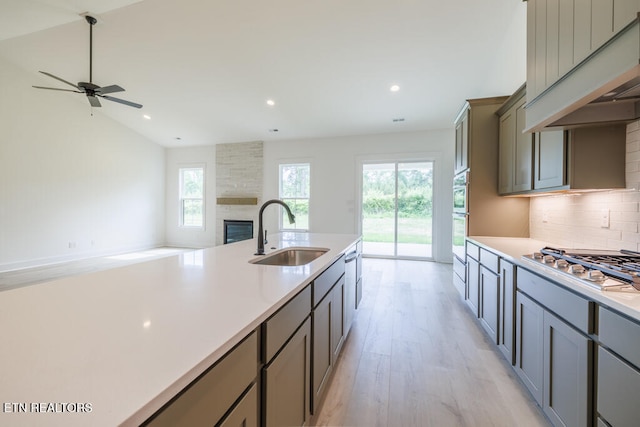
(59,79)
(55,88)
(109,89)
(94,101)
(121,101)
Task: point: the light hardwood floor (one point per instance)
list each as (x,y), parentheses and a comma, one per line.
(416,357)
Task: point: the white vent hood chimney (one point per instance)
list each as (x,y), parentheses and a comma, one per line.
(603,88)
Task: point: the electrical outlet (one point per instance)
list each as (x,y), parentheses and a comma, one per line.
(545,216)
(72,245)
(604,218)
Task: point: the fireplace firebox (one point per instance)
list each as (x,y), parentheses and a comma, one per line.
(236,230)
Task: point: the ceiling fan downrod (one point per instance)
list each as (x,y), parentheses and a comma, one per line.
(92,21)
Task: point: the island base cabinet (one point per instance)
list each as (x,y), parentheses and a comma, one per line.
(245,414)
(286,382)
(322,349)
(220,390)
(327,330)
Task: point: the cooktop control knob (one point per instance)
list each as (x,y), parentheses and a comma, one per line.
(576,269)
(562,264)
(537,255)
(548,259)
(596,276)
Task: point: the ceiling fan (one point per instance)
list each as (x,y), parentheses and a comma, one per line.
(88,88)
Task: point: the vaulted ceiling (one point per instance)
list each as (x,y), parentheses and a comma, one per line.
(204,69)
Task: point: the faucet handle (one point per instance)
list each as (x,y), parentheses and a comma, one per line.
(265,237)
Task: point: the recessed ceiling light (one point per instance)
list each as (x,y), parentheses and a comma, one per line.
(394,88)
(271,102)
(146,116)
(273,130)
(178,138)
(399,119)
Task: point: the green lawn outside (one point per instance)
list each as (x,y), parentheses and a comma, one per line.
(410,230)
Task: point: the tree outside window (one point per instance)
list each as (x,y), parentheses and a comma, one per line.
(294,191)
(192,197)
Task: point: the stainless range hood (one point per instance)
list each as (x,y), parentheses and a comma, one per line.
(603,88)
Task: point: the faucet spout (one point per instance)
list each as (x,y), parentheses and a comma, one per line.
(261,237)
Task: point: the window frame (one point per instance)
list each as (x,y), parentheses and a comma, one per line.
(283,225)
(181,199)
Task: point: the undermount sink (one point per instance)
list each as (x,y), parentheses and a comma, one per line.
(290,256)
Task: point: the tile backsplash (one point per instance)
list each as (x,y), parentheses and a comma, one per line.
(599,220)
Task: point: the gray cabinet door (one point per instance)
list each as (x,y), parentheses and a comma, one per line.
(529,344)
(567,368)
(550,160)
(506,156)
(286,382)
(618,390)
(473,284)
(522,153)
(489,300)
(245,414)
(322,350)
(337,318)
(507,318)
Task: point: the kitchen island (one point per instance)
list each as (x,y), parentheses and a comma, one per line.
(113,347)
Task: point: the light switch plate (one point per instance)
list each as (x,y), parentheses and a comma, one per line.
(604,218)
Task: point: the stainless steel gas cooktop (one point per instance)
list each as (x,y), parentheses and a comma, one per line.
(600,269)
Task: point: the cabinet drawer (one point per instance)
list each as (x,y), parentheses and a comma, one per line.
(325,281)
(618,390)
(246,411)
(460,269)
(473,251)
(210,396)
(620,334)
(489,260)
(279,327)
(571,307)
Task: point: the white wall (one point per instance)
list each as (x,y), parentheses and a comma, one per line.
(186,157)
(335,168)
(67,176)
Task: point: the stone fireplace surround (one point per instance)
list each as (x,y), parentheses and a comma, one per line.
(239,176)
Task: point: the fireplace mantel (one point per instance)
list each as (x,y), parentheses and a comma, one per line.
(237,200)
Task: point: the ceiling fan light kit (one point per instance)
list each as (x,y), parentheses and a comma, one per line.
(91,90)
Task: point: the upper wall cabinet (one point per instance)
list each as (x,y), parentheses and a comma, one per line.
(515,147)
(574,48)
(587,158)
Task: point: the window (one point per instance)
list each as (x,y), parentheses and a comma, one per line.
(294,191)
(192,197)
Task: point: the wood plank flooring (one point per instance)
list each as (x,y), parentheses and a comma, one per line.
(415,356)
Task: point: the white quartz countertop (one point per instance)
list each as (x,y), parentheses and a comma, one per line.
(112,347)
(514,248)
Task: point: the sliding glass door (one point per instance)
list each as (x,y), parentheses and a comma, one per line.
(397,209)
